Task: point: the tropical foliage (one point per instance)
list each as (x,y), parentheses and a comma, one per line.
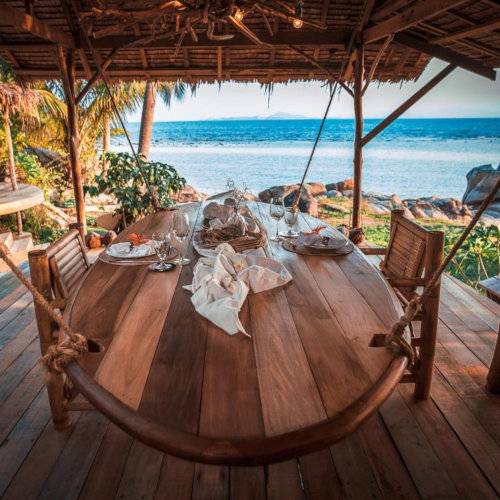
(128,180)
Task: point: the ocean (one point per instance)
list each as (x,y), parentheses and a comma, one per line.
(412,157)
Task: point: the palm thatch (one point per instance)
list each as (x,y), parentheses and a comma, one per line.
(17,99)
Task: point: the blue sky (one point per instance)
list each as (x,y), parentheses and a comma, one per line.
(461,94)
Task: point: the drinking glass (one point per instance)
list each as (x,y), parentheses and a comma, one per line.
(291,215)
(181,232)
(161,245)
(276,211)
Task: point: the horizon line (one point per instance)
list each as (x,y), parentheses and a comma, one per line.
(269,118)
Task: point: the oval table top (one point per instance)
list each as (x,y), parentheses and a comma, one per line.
(27,196)
(308,361)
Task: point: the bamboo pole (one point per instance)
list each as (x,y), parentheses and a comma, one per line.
(11,162)
(408,104)
(358,137)
(67,67)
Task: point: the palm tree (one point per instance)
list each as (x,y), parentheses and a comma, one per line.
(167,90)
(99,108)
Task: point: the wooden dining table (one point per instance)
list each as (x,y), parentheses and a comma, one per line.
(310,360)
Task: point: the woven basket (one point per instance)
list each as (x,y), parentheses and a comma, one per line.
(248,242)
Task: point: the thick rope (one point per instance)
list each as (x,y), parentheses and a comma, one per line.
(72,346)
(325,115)
(396,335)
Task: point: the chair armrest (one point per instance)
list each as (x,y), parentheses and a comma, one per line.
(373,250)
(406,282)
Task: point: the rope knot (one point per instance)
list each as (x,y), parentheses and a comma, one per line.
(58,355)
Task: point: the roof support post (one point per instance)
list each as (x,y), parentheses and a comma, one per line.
(67,67)
(408,104)
(358,134)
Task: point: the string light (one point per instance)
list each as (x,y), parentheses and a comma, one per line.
(239,14)
(297,23)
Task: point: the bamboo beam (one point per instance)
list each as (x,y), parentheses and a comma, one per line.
(67,67)
(407,104)
(19,19)
(96,76)
(358,146)
(413,15)
(376,62)
(472,31)
(445,54)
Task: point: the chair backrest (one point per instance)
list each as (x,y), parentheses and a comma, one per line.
(405,253)
(56,271)
(67,262)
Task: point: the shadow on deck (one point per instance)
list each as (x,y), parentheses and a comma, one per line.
(448,446)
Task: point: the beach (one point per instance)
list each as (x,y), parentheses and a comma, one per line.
(412,157)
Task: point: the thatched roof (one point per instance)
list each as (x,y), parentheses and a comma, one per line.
(465,33)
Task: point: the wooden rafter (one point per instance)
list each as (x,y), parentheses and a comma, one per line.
(445,54)
(471,31)
(376,62)
(30,24)
(476,47)
(363,21)
(334,38)
(411,16)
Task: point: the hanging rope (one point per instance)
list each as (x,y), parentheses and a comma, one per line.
(72,346)
(396,335)
(325,114)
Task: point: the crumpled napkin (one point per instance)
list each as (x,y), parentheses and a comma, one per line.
(223,278)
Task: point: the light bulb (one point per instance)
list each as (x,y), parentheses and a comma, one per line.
(239,15)
(297,23)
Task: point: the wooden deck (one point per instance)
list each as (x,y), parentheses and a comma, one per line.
(446,447)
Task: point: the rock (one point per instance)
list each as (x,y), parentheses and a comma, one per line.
(345,185)
(93,240)
(108,221)
(333,193)
(188,194)
(344,230)
(396,201)
(316,188)
(307,200)
(377,209)
(47,157)
(407,213)
(108,237)
(426,210)
(327,207)
(480,181)
(347,194)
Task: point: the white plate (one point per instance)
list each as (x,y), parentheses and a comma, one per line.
(124,251)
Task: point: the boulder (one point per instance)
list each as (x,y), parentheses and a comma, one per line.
(426,210)
(377,208)
(333,193)
(480,181)
(327,207)
(188,194)
(347,193)
(307,202)
(345,185)
(312,188)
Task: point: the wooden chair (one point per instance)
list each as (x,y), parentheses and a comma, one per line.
(56,272)
(410,260)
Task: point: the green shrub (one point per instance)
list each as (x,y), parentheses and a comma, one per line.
(125,180)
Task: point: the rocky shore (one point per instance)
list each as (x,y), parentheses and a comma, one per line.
(317,195)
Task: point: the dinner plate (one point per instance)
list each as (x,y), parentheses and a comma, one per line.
(322,242)
(125,251)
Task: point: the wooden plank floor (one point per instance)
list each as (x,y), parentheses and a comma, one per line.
(446,447)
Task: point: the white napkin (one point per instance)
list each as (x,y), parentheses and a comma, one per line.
(222,279)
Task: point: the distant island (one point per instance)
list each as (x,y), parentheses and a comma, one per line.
(275,116)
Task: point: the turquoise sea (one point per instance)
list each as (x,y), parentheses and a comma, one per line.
(412,157)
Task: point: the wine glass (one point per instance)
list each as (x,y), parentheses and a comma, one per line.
(276,211)
(161,245)
(291,215)
(181,231)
